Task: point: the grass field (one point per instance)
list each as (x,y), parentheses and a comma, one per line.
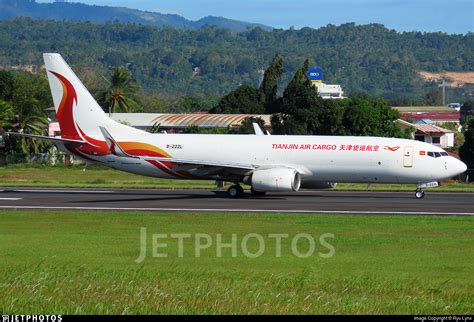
(403,109)
(84,262)
(96,177)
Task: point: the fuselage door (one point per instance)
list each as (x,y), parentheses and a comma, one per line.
(408,157)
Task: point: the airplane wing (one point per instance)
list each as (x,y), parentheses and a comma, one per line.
(206,166)
(48,138)
(202,163)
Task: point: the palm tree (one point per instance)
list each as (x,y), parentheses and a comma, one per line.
(122,94)
(32,121)
(6,114)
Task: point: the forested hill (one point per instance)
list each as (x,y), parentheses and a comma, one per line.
(81,12)
(208,60)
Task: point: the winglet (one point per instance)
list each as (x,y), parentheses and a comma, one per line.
(113,145)
(257,129)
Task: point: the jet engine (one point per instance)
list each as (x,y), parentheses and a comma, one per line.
(276,180)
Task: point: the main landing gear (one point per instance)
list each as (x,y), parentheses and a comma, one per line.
(420,193)
(236,191)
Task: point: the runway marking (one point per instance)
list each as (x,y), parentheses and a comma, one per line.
(57,191)
(11,199)
(344,212)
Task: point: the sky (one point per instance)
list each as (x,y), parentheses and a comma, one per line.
(451,16)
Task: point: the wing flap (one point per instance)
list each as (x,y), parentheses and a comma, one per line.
(201,163)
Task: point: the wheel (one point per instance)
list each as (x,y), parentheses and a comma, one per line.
(235,191)
(419,194)
(257,193)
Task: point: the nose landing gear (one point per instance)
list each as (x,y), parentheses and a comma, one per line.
(420,193)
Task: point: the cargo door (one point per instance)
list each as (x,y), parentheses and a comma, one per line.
(408,157)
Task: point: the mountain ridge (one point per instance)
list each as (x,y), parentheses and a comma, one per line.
(76,11)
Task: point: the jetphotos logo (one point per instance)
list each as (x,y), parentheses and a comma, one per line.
(251,245)
(32,318)
(391,148)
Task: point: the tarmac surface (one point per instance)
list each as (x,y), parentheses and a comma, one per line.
(323,202)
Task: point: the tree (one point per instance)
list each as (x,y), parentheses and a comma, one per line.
(247,125)
(269,87)
(467,111)
(254,101)
(364,116)
(244,100)
(6,115)
(298,108)
(30,96)
(466,152)
(190,104)
(6,85)
(122,94)
(371,58)
(434,97)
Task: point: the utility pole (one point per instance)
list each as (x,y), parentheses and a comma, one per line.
(443,85)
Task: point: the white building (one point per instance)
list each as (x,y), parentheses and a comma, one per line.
(430,133)
(328,91)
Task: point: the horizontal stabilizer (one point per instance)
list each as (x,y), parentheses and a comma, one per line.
(48,138)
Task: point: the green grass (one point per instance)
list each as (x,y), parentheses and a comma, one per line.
(424,109)
(84,262)
(87,177)
(98,177)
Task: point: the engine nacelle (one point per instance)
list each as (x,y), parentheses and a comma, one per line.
(276,180)
(318,185)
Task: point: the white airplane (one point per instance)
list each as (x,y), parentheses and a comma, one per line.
(268,163)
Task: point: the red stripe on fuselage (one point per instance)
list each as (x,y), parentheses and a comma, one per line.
(162,167)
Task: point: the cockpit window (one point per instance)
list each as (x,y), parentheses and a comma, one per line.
(437,154)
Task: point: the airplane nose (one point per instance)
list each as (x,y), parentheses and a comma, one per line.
(458,166)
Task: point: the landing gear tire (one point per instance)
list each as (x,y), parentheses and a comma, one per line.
(257,193)
(235,191)
(419,194)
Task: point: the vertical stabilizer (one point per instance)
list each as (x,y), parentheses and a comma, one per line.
(77,111)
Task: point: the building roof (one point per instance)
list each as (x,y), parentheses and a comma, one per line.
(424,121)
(431,129)
(186,120)
(453,116)
(428,129)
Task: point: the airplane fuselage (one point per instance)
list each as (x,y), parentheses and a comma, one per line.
(316,158)
(269,163)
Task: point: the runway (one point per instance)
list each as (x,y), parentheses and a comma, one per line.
(325,202)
